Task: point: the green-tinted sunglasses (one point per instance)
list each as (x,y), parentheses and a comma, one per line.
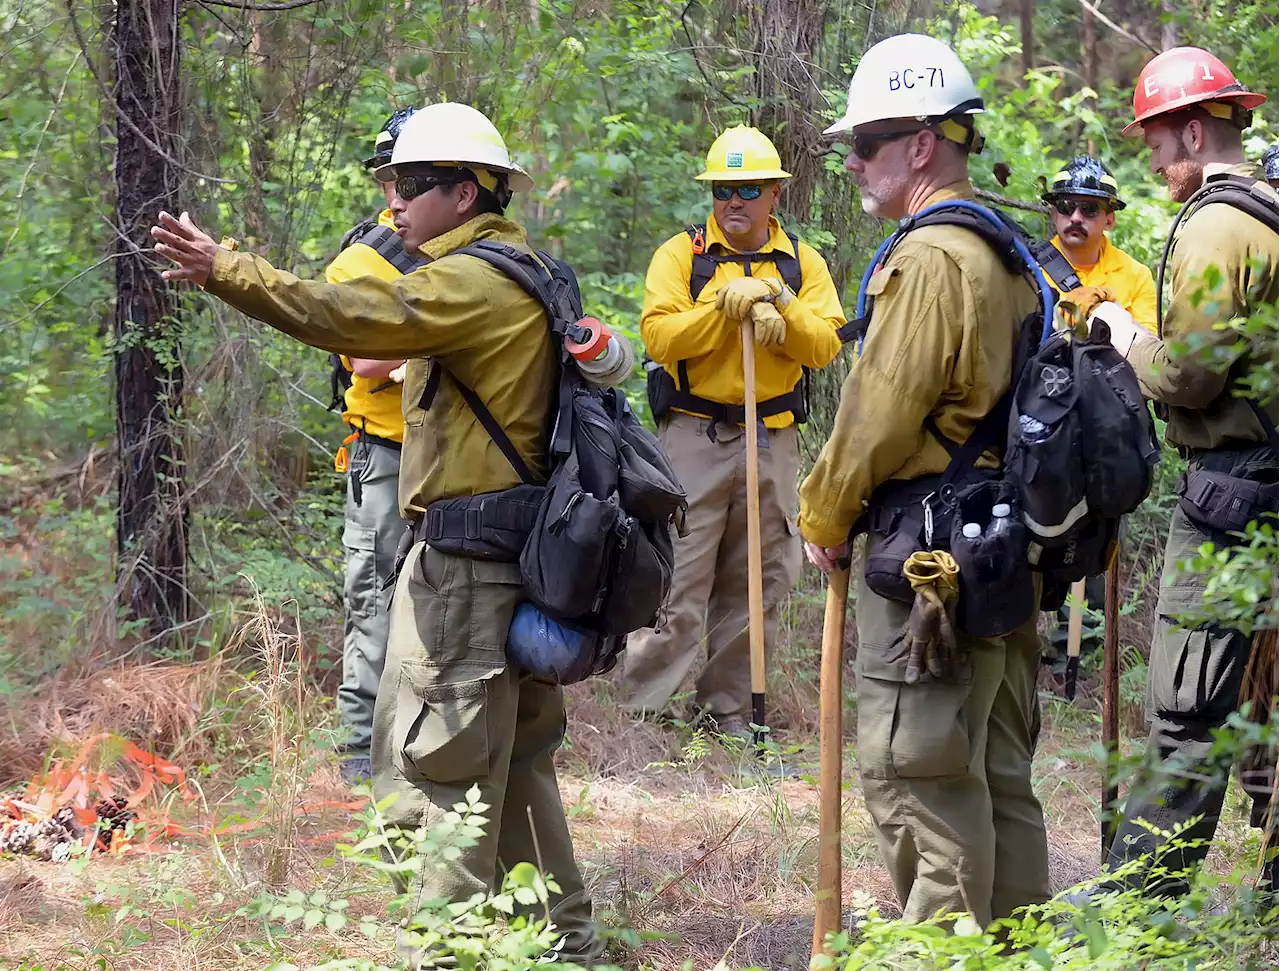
(723,192)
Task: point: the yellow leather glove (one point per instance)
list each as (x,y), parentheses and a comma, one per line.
(1075,306)
(770,326)
(928,638)
(785,296)
(736,297)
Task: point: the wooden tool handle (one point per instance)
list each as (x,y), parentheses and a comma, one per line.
(755,566)
(1075,619)
(831,752)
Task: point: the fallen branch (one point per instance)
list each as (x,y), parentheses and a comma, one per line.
(289,5)
(689,870)
(1000,200)
(1117,28)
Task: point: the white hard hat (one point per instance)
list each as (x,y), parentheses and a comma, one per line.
(454,133)
(908,76)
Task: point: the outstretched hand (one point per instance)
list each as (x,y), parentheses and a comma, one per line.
(182,241)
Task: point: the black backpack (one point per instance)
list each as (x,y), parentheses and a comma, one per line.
(1082,450)
(666,393)
(1104,442)
(594,539)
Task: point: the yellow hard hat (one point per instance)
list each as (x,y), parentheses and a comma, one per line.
(742,154)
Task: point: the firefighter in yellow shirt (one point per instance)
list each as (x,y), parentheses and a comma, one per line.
(1083,201)
(700,285)
(371,401)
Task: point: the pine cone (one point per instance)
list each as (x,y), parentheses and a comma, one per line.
(66,818)
(113,814)
(53,836)
(18,837)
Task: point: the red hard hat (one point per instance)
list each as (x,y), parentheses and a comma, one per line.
(1181,77)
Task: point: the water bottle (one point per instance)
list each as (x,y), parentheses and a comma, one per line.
(1032,430)
(971,530)
(1001,521)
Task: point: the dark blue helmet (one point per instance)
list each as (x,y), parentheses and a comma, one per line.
(1084,176)
(1271,163)
(386,140)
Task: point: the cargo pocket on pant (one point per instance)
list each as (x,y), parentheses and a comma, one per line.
(916,730)
(442,726)
(360,587)
(929,737)
(1196,673)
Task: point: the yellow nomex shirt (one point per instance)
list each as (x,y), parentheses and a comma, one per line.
(376,412)
(677,328)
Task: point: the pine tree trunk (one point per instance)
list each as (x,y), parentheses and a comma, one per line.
(1026,18)
(1090,38)
(783,37)
(1170,30)
(151,531)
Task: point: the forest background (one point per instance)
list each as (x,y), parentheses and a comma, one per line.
(152,421)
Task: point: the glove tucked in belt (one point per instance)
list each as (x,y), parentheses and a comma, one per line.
(928,639)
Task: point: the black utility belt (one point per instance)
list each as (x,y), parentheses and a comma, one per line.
(997,591)
(664,395)
(489,526)
(1222,503)
(377,439)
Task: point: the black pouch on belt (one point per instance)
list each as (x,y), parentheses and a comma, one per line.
(360,459)
(896,519)
(490,526)
(1220,503)
(997,591)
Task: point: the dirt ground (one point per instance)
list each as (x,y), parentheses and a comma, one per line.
(679,836)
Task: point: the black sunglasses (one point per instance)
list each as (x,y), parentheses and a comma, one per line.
(747,193)
(411,186)
(866,146)
(1089,210)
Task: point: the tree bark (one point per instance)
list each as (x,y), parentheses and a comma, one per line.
(1170,30)
(784,34)
(151,523)
(1090,38)
(1026,18)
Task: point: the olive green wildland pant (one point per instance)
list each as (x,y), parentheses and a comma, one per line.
(946,769)
(1193,686)
(372,529)
(709,584)
(451,714)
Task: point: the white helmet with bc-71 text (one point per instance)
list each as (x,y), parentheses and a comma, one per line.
(910,76)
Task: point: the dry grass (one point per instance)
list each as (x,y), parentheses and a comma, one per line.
(158,706)
(676,836)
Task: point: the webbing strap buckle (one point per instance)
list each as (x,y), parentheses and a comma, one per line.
(471,522)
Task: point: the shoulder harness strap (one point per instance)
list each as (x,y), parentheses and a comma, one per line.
(704,264)
(561,301)
(1249,195)
(1056,266)
(992,429)
(384,241)
(339,382)
(702,269)
(942,214)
